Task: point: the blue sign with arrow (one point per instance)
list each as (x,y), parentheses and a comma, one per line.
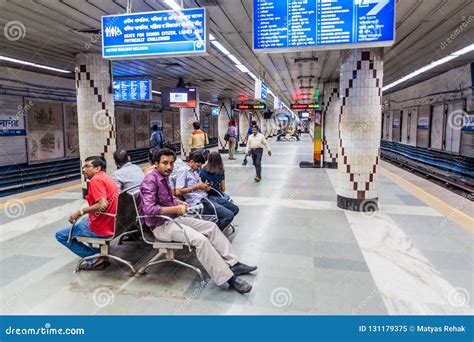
(293,25)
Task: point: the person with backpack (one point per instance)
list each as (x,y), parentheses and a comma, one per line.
(156,139)
(231,137)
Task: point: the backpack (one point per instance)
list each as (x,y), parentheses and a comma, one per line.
(157,142)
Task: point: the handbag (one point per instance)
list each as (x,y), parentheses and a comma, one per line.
(226,137)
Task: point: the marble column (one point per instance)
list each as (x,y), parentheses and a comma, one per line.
(361,77)
(225,113)
(95,109)
(331,108)
(244,124)
(187,117)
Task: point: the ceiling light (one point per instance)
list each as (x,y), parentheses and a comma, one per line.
(430,66)
(19,61)
(252,75)
(233,59)
(220,47)
(211,37)
(173,5)
(156,92)
(242,68)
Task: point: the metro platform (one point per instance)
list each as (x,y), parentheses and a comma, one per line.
(412,257)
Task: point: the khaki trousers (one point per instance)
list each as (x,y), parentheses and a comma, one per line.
(232,141)
(214,251)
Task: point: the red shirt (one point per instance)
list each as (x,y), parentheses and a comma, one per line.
(102,186)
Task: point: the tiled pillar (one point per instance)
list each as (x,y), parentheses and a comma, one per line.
(331,109)
(187,117)
(361,77)
(225,113)
(244,124)
(95,109)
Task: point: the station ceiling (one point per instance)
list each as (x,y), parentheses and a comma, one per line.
(57,30)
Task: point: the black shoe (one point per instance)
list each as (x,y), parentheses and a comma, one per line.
(241,286)
(240,269)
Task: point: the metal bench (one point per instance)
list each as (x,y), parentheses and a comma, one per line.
(124,220)
(165,248)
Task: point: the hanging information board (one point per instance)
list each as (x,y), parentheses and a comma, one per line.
(293,25)
(154,34)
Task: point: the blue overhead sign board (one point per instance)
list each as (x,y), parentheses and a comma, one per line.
(154,34)
(132,90)
(289,25)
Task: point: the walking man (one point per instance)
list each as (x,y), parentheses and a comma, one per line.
(256,142)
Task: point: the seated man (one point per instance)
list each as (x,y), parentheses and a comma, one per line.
(213,250)
(127,174)
(189,185)
(102,198)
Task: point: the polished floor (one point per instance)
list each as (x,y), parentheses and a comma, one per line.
(411,257)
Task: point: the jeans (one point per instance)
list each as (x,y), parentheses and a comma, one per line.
(80,229)
(257,160)
(225,210)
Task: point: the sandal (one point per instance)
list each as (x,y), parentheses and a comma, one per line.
(87,266)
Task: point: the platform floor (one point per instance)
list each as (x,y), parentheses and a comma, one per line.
(414,256)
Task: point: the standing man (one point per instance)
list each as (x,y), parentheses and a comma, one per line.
(198,139)
(213,250)
(256,142)
(232,136)
(156,139)
(102,198)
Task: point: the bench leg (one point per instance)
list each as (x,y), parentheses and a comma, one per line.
(153,262)
(126,234)
(128,264)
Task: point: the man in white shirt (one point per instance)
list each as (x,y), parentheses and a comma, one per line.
(256,142)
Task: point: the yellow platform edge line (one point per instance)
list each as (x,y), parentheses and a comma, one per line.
(42,195)
(451,213)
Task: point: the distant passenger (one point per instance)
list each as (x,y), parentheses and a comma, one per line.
(156,139)
(127,174)
(190,186)
(214,251)
(255,144)
(179,164)
(214,174)
(198,139)
(102,198)
(249,131)
(150,168)
(232,134)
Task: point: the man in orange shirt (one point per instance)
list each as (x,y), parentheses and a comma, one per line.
(198,139)
(102,198)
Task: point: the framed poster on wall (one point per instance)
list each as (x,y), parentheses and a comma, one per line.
(71,130)
(45,126)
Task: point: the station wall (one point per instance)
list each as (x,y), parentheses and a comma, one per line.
(38,122)
(432,113)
